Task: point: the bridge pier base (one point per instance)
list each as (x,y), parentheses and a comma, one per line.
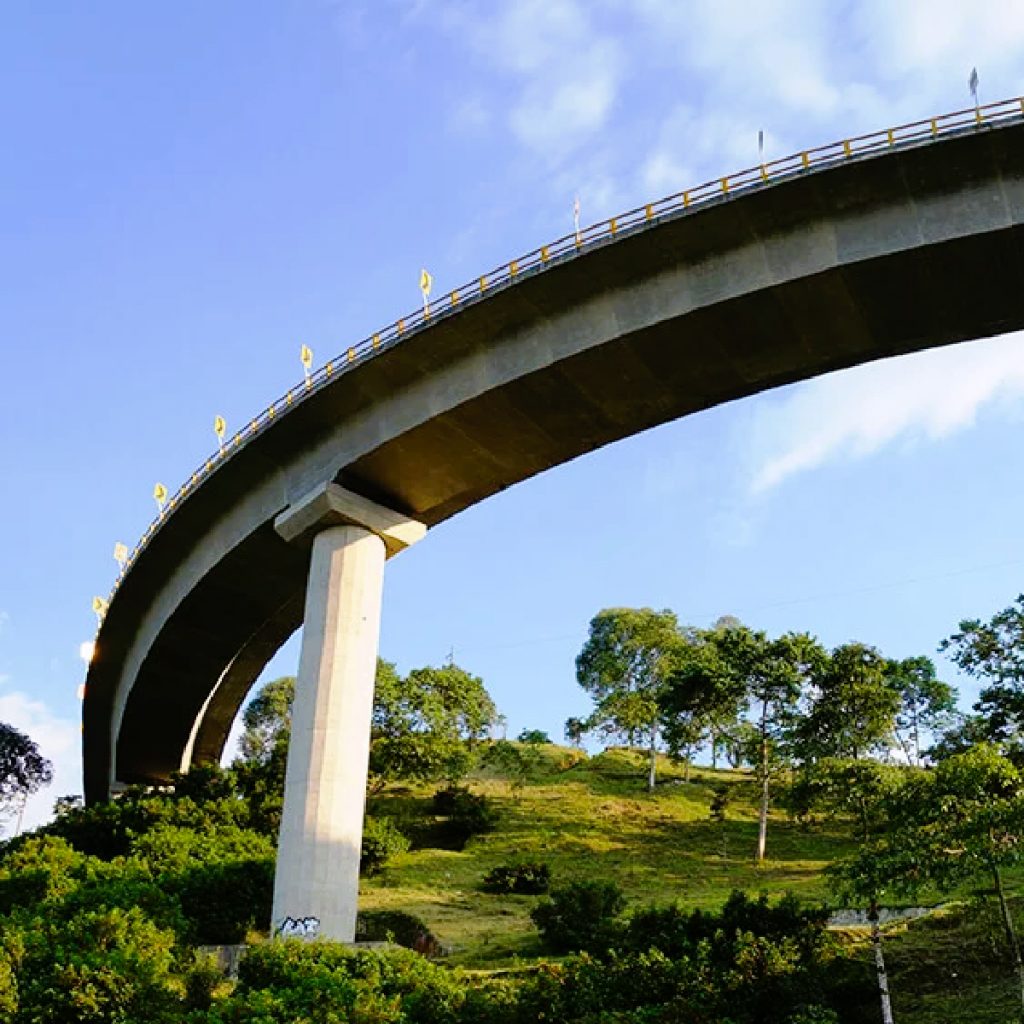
(316,885)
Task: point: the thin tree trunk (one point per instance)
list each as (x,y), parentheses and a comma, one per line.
(762,824)
(651,776)
(1011,935)
(880,972)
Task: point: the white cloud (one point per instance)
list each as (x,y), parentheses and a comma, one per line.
(567,72)
(855,413)
(58,739)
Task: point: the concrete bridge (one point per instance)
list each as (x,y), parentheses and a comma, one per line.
(874,247)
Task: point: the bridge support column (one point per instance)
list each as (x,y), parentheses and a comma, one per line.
(316,885)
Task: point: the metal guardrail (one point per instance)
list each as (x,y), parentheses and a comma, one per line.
(569,246)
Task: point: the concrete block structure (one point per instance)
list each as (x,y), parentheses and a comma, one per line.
(316,885)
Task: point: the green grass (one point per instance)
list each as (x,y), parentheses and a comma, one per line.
(596,820)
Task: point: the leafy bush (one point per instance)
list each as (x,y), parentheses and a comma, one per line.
(102,965)
(329,983)
(529,878)
(534,736)
(398,927)
(382,840)
(580,916)
(467,814)
(677,932)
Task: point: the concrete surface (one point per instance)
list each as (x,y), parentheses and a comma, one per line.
(873,258)
(316,885)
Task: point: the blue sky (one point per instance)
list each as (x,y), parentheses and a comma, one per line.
(191,191)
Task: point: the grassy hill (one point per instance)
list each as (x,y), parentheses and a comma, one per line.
(593,818)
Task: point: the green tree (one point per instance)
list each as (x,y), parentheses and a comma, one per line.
(961,821)
(624,664)
(535,736)
(771,674)
(23,770)
(993,652)
(927,706)
(426,724)
(865,791)
(852,710)
(702,697)
(422,727)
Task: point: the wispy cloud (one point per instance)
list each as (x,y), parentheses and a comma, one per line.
(565,71)
(854,414)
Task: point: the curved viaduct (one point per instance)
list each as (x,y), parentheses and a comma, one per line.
(903,249)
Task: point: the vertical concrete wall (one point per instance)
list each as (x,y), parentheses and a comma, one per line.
(317,882)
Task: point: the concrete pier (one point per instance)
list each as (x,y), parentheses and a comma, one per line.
(316,885)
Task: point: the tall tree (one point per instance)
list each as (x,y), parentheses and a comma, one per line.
(864,790)
(23,770)
(993,652)
(961,821)
(624,664)
(852,710)
(420,729)
(425,724)
(772,674)
(701,699)
(927,705)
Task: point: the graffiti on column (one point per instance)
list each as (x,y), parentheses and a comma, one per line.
(298,928)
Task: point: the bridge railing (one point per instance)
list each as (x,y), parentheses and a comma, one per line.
(718,189)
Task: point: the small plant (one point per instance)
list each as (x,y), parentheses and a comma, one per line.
(398,927)
(467,814)
(534,736)
(529,878)
(580,917)
(718,811)
(382,840)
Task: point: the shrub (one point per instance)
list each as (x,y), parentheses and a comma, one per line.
(580,916)
(677,932)
(399,927)
(529,878)
(468,814)
(534,736)
(382,840)
(327,982)
(103,965)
